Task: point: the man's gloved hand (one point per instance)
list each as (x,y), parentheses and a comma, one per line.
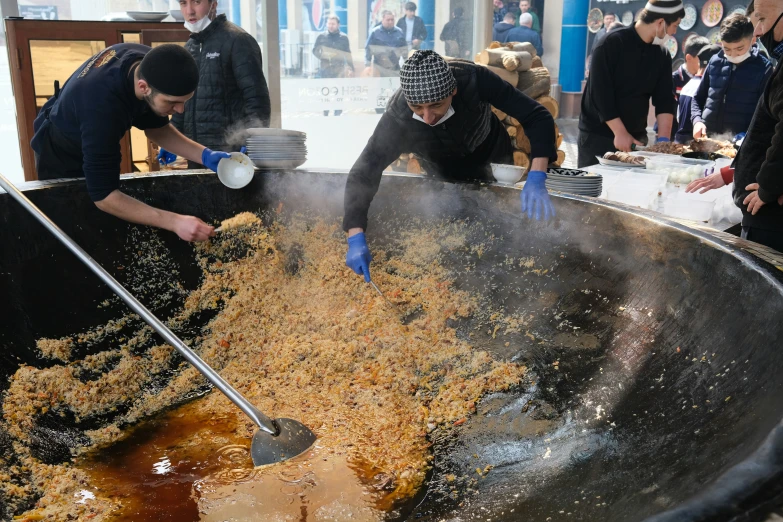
(535,197)
(243,150)
(359,258)
(165,157)
(211,158)
(662,139)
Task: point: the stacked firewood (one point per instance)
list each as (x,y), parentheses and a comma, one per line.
(518,64)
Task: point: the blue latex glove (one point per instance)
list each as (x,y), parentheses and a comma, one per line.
(662,139)
(243,149)
(165,157)
(535,197)
(211,158)
(359,258)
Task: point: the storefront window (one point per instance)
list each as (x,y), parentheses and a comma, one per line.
(339,63)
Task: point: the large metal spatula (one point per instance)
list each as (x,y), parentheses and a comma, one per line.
(275,441)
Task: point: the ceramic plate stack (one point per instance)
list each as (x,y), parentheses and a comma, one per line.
(574,182)
(276,148)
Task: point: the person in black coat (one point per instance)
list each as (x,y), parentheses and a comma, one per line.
(628,70)
(458,35)
(758,175)
(412,27)
(232,93)
(441,113)
(501,29)
(334,51)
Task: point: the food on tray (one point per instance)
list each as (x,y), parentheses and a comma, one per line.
(710,145)
(667,147)
(729,152)
(624,157)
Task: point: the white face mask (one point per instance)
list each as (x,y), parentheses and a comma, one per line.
(738,59)
(449,114)
(660,40)
(199,26)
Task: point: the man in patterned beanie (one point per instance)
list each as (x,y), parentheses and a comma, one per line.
(442,114)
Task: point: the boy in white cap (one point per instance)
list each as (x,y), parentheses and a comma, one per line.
(442,114)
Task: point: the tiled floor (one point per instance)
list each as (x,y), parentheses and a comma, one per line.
(570,131)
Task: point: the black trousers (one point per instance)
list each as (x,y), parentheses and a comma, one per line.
(591,145)
(771,238)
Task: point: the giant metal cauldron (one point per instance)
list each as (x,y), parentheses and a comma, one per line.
(665,402)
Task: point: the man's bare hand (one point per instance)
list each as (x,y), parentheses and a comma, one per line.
(624,142)
(191,228)
(713,181)
(753,201)
(699,131)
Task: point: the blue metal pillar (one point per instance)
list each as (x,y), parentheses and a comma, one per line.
(282,14)
(426,10)
(341,11)
(236,12)
(573,44)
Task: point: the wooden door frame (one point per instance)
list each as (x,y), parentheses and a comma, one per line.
(19,32)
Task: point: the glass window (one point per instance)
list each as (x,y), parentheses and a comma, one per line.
(340,60)
(56,60)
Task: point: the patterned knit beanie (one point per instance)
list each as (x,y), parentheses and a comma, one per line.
(426,77)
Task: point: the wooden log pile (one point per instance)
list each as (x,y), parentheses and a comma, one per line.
(519,65)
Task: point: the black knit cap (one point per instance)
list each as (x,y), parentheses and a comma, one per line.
(170,69)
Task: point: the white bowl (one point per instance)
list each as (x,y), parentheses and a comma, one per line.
(236,171)
(506,174)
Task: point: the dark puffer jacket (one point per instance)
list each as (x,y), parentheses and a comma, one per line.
(728,93)
(231,93)
(460,148)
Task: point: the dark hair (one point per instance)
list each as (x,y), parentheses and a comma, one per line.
(610,14)
(649,17)
(510,16)
(410,6)
(694,44)
(458,12)
(735,27)
(708,52)
(750,9)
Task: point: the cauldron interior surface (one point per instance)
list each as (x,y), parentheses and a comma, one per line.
(654,356)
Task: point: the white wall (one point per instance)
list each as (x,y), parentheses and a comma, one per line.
(553,24)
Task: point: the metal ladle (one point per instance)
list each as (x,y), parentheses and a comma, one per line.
(276,440)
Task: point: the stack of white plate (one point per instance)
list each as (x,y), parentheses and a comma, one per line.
(276,148)
(574,182)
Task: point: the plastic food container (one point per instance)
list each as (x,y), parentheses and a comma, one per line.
(685,207)
(636,195)
(681,171)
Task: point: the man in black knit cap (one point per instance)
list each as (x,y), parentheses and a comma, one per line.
(441,112)
(78,131)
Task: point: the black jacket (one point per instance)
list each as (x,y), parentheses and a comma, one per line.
(231,93)
(500,30)
(760,159)
(459,148)
(334,51)
(419,30)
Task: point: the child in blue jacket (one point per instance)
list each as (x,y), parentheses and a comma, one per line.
(732,84)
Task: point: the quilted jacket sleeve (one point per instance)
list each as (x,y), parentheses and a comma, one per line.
(246,62)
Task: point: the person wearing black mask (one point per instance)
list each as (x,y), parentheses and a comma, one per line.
(758,176)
